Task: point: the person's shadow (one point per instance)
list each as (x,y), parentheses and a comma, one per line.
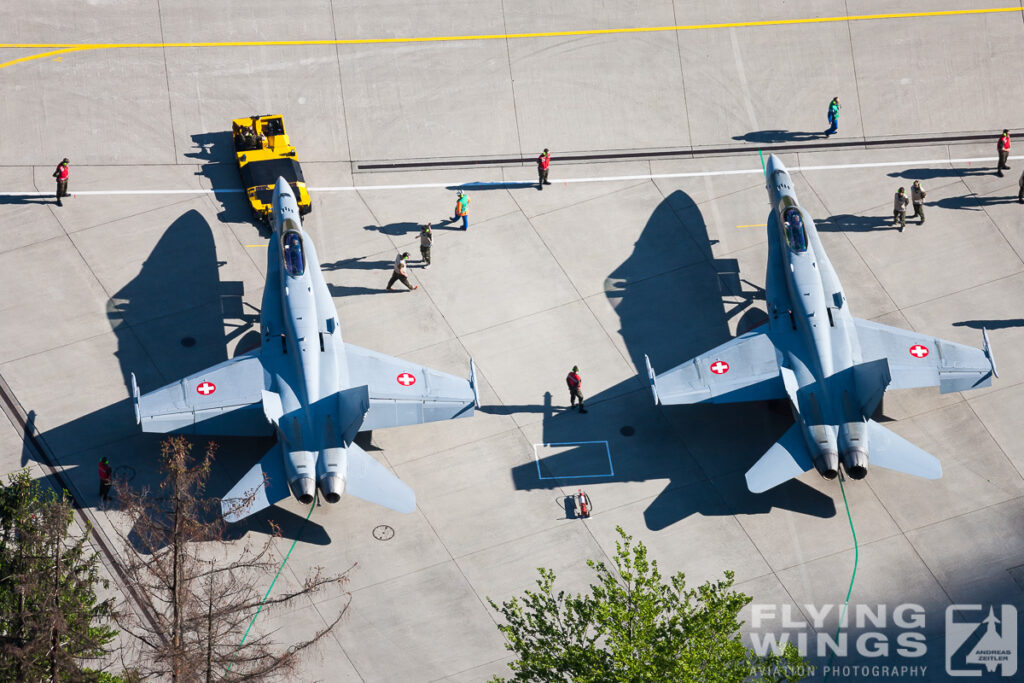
(778,136)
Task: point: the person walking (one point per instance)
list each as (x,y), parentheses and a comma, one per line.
(574,381)
(899,208)
(462,209)
(917,195)
(426,241)
(61,174)
(543,163)
(401,273)
(1003,148)
(106,473)
(833,117)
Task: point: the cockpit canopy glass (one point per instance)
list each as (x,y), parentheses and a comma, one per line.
(796,236)
(293,260)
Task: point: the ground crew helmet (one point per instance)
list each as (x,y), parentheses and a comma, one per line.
(405,254)
(575,368)
(459,193)
(65,161)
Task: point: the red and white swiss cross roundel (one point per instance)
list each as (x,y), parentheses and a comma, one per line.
(206,388)
(719,367)
(918,351)
(406,379)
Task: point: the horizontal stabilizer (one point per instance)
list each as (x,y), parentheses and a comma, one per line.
(891,451)
(262,486)
(368,479)
(787,458)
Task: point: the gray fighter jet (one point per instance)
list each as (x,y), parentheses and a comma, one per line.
(309,387)
(832,367)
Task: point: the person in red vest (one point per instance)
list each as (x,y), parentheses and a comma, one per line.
(61,174)
(574,381)
(106,473)
(1003,147)
(543,162)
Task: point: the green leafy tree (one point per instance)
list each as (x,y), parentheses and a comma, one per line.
(633,626)
(51,621)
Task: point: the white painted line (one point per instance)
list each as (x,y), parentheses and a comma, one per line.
(611,469)
(469,185)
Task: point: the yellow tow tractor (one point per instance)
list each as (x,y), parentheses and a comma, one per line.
(264,154)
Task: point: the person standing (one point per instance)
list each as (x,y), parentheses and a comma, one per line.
(543,163)
(61,174)
(1020,195)
(1003,147)
(106,473)
(574,381)
(899,208)
(401,273)
(426,241)
(833,117)
(462,208)
(917,195)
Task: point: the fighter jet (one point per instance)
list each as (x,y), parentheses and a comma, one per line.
(312,389)
(832,367)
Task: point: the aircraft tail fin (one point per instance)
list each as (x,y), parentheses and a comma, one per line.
(787,458)
(262,486)
(368,479)
(890,450)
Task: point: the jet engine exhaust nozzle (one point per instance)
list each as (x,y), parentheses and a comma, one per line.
(303,489)
(828,465)
(331,487)
(855,462)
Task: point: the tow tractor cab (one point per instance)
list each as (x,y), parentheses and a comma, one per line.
(264,153)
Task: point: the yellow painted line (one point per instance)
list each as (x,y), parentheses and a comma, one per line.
(41,56)
(753,225)
(506,36)
(257,245)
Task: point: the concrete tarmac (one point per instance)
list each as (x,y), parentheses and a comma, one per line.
(661,255)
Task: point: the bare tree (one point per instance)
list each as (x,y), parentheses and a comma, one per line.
(204,601)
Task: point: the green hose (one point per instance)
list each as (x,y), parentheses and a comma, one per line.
(856,556)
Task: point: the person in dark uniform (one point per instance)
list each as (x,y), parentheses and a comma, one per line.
(574,381)
(106,473)
(899,208)
(543,163)
(426,241)
(917,195)
(401,273)
(1020,195)
(61,174)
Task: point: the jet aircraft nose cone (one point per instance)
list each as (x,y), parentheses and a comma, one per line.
(282,186)
(774,164)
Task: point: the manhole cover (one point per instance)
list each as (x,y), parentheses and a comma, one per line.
(188,342)
(627,431)
(383,532)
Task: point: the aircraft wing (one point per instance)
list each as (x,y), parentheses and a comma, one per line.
(742,369)
(405,393)
(226,399)
(917,360)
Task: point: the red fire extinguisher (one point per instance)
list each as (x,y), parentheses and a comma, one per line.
(583,502)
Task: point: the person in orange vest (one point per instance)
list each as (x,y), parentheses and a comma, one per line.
(61,174)
(1003,147)
(462,209)
(106,479)
(574,381)
(543,162)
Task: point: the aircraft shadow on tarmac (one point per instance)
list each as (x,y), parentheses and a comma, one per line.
(180,276)
(672,316)
(217,152)
(762,136)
